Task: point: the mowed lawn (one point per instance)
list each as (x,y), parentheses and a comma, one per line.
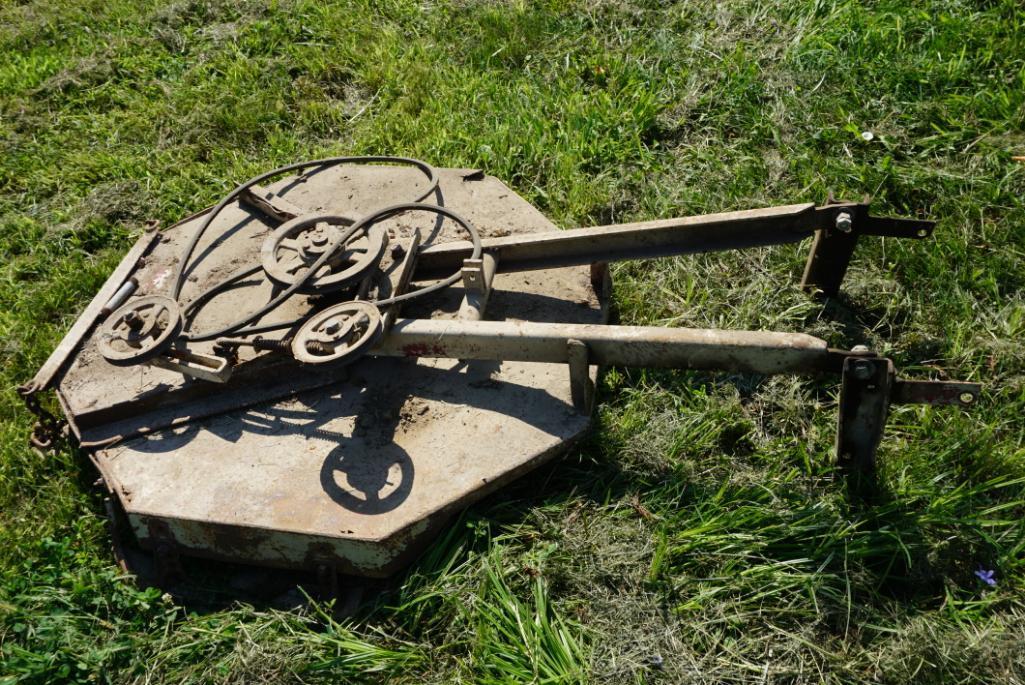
(701,532)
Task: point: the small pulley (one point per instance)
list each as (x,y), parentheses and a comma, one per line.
(343,332)
(139,330)
(295,246)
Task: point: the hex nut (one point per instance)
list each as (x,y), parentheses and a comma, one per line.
(844,222)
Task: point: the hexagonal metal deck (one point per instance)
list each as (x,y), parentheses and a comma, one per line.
(303,468)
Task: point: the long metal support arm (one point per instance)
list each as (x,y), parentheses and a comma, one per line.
(668,237)
(759,352)
(869,383)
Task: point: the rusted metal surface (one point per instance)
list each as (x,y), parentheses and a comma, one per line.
(760,352)
(642,240)
(864,404)
(831,253)
(61,355)
(271,204)
(839,226)
(139,330)
(339,333)
(936,392)
(354,468)
(369,459)
(208,367)
(478,288)
(405,276)
(286,548)
(289,459)
(669,237)
(105,403)
(581,388)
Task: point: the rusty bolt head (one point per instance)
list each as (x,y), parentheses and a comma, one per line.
(844,222)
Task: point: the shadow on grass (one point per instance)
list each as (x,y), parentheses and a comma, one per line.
(886,547)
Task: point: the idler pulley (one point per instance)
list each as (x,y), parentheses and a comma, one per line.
(343,332)
(139,330)
(297,245)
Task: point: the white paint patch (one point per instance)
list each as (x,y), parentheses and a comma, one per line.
(160,278)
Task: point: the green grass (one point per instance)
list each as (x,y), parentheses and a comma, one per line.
(699,535)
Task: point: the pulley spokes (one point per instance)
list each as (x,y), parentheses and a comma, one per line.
(297,245)
(343,332)
(140,330)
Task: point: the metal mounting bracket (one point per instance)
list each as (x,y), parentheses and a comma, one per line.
(831,252)
(406,269)
(833,245)
(478,275)
(864,404)
(203,366)
(868,387)
(581,387)
(270,204)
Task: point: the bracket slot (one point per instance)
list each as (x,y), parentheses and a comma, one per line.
(477,280)
(203,366)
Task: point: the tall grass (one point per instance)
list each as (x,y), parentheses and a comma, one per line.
(701,534)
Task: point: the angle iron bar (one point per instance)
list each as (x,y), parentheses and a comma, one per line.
(666,237)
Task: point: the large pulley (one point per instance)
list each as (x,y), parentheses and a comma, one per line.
(297,245)
(140,330)
(341,333)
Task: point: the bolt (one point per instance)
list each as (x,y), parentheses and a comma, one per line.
(318,347)
(860,349)
(284,345)
(862,370)
(844,222)
(133,320)
(318,236)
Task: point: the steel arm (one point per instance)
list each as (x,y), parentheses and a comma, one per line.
(868,383)
(761,352)
(836,227)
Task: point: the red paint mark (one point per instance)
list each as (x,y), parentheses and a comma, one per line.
(423,350)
